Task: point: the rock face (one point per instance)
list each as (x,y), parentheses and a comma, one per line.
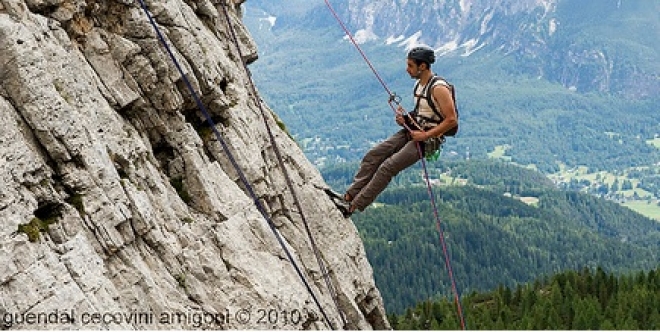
(119,208)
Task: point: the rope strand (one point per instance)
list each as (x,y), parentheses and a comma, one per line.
(234,163)
(289,182)
(393,97)
(443,243)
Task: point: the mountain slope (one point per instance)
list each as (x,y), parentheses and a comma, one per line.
(582,93)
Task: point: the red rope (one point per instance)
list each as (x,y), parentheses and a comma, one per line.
(393,96)
(393,99)
(445,251)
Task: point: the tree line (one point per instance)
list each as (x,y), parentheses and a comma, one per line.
(587,299)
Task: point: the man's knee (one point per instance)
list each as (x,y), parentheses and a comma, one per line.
(374,155)
(388,168)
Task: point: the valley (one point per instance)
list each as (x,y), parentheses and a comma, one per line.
(557,162)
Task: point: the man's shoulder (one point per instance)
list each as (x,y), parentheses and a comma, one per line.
(439,80)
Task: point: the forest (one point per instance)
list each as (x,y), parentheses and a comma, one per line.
(586,299)
(504,225)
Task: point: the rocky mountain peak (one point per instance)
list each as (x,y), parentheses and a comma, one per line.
(604,46)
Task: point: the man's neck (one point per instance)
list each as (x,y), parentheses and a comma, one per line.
(425,76)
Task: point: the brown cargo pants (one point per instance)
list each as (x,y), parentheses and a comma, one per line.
(380,165)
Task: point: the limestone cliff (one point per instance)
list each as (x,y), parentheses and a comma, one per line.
(118,206)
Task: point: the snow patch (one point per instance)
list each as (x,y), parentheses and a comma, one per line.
(411,41)
(363,36)
(470,47)
(392,40)
(553,26)
(465,6)
(447,48)
(270,20)
(484,24)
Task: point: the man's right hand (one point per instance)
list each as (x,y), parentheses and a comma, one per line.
(399,116)
(399,119)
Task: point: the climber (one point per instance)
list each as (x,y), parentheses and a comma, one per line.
(426,124)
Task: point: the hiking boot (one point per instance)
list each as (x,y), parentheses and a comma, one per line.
(344,207)
(347,209)
(350,211)
(342,204)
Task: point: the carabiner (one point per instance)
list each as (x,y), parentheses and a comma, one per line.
(395,98)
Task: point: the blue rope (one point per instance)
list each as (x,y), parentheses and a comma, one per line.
(233,161)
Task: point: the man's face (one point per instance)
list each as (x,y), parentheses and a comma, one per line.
(413,69)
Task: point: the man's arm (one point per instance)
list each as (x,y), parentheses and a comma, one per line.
(445,104)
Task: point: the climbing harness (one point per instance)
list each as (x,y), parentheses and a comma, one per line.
(234,163)
(317,252)
(393,99)
(432,148)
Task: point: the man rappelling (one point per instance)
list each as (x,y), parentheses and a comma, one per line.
(434,117)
